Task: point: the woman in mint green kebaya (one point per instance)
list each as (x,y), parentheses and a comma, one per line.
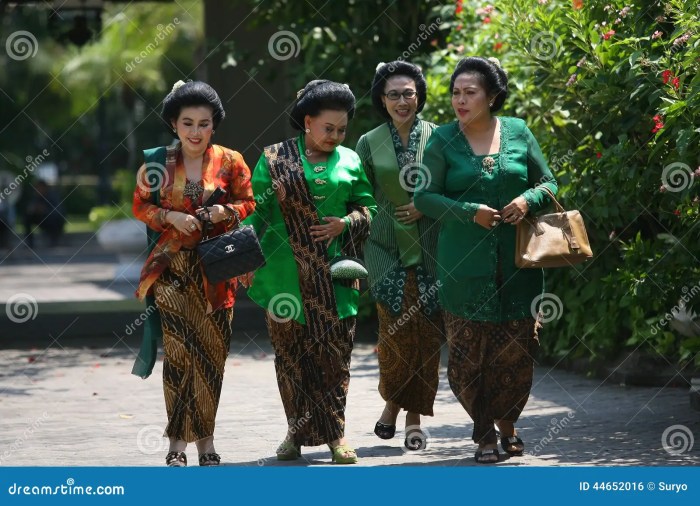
(400,254)
(314,203)
(483,179)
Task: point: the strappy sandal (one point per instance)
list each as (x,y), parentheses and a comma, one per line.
(288,451)
(344,454)
(176,459)
(384,430)
(209,459)
(507,442)
(480,454)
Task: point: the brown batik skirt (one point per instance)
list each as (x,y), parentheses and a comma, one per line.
(313,379)
(196,345)
(409,352)
(490,369)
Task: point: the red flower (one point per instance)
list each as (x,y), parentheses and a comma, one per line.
(677,212)
(599,154)
(657,118)
(608,34)
(497,46)
(577,4)
(666,75)
(459,27)
(676,82)
(487,20)
(459,9)
(657,127)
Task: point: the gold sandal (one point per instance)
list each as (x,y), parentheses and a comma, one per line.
(288,451)
(344,454)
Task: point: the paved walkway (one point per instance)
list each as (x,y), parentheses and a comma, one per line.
(82,407)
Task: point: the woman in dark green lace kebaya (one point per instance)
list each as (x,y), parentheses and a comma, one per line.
(400,253)
(484,173)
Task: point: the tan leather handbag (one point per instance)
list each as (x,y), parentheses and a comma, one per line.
(552,240)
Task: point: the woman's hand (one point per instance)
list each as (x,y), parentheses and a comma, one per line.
(215,214)
(407,214)
(515,211)
(333,228)
(183,222)
(487,217)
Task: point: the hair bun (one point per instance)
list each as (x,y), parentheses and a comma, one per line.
(379,65)
(177,85)
(495,61)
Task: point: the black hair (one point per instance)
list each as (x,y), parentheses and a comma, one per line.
(321,95)
(191,94)
(492,77)
(397,68)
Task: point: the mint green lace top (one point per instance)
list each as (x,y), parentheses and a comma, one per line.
(476,266)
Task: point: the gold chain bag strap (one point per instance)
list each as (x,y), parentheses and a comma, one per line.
(552,240)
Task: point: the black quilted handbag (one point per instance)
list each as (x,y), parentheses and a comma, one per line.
(231,254)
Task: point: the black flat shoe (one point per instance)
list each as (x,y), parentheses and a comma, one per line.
(415,441)
(384,430)
(508,441)
(176,459)
(209,459)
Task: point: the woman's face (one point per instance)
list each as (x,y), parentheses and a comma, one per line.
(194,128)
(325,131)
(400,108)
(469,98)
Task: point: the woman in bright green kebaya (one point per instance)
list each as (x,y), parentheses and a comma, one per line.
(314,204)
(483,179)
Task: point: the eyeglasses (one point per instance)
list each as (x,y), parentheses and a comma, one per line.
(395,95)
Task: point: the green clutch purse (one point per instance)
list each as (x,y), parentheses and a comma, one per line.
(344,267)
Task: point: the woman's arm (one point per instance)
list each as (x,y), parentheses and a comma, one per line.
(241,201)
(261,184)
(538,174)
(429,197)
(143,206)
(365,155)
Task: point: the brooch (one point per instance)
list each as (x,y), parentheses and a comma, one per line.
(488,163)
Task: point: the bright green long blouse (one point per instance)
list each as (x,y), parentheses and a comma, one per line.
(476,266)
(333,184)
